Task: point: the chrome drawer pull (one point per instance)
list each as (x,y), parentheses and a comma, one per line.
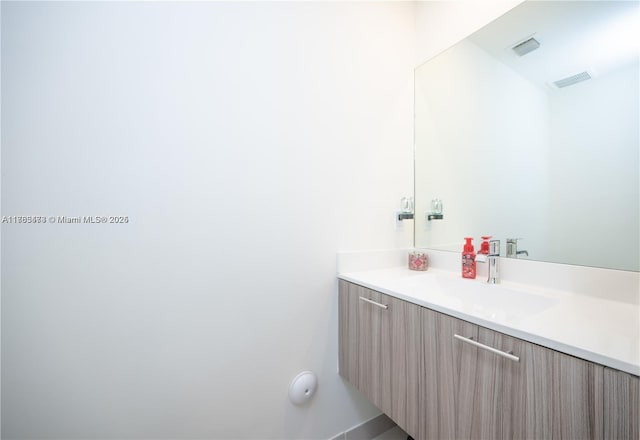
(486,347)
(383,306)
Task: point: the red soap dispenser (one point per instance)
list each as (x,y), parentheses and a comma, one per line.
(468,260)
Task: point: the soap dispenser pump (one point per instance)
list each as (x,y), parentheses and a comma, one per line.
(468,259)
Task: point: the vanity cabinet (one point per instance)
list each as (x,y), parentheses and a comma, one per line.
(426,371)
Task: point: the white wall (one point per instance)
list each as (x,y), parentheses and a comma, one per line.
(247,143)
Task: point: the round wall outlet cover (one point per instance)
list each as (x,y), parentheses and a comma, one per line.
(303,387)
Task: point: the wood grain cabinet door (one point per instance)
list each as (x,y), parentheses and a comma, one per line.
(406,351)
(365,342)
(471,391)
(447,377)
(374,346)
(380,346)
(545,394)
(621,405)
(347,333)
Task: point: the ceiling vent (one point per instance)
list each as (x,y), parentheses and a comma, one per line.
(573,79)
(528,45)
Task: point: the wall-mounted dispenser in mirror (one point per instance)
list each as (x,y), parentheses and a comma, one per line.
(530,128)
(436,210)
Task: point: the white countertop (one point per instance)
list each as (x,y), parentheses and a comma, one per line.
(596,329)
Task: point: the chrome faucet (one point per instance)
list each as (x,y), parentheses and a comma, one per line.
(493,261)
(512,248)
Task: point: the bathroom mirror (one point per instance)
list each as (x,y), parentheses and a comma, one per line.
(529,129)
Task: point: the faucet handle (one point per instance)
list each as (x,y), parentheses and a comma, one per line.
(512,247)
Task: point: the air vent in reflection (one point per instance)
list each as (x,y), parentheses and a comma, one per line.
(571,80)
(526,46)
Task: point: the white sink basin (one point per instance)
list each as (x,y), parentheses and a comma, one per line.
(489,301)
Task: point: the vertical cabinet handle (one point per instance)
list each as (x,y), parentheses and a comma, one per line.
(382,306)
(486,347)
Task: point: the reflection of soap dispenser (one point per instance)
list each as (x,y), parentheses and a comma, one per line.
(484,247)
(468,260)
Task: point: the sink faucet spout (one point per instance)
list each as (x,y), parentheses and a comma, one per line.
(493,261)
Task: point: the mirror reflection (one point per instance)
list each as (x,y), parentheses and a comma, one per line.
(529,130)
